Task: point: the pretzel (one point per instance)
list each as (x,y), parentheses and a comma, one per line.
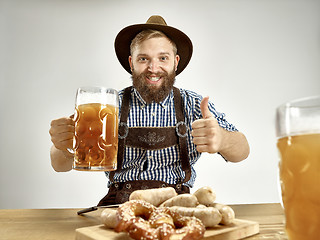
(142,220)
(132,211)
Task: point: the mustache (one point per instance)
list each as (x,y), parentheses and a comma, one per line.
(146,73)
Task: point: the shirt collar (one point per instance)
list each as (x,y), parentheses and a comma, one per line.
(143,103)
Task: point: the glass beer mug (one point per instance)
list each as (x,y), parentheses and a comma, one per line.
(298,133)
(95,143)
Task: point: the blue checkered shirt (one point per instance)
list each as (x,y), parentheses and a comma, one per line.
(164,164)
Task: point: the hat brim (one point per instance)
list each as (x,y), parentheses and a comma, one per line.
(125,36)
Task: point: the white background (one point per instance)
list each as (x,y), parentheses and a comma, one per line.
(249,56)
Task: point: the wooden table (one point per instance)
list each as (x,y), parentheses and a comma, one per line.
(42,224)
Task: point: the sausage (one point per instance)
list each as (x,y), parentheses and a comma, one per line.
(183,200)
(109,217)
(209,216)
(227,213)
(205,195)
(155,196)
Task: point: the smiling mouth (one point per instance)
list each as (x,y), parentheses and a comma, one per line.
(153,79)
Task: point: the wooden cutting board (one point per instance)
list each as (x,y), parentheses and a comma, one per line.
(238,230)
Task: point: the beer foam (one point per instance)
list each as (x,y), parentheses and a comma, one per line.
(97,95)
(298,117)
(300,126)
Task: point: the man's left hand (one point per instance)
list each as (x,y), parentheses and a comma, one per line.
(207,134)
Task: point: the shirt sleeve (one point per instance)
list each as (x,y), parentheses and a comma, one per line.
(193,102)
(221,118)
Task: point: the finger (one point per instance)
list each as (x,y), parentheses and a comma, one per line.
(62,137)
(200,141)
(201,148)
(205,108)
(203,132)
(62,121)
(63,145)
(55,130)
(198,124)
(203,145)
(63,141)
(205,123)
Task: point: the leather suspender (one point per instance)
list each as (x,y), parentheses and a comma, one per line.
(170,135)
(123,130)
(181,129)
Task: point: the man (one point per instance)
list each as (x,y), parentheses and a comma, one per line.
(163,130)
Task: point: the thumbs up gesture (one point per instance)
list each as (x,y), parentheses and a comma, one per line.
(206,132)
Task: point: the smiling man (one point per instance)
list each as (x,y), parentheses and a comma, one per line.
(153,62)
(163,130)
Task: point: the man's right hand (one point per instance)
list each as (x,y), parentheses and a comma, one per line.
(62,133)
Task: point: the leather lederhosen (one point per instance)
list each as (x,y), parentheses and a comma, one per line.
(149,138)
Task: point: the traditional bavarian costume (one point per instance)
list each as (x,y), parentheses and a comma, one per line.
(155,138)
(148,138)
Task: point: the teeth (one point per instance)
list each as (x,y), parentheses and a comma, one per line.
(154,79)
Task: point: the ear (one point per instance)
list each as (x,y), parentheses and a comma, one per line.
(130,62)
(176,61)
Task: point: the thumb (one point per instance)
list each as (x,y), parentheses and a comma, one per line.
(205,109)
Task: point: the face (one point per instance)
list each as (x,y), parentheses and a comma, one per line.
(153,64)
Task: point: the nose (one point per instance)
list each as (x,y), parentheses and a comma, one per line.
(153,66)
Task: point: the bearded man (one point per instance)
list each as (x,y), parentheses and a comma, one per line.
(163,130)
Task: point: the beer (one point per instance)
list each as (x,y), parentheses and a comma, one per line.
(96,137)
(300,184)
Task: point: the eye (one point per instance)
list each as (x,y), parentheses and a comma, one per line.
(142,59)
(164,58)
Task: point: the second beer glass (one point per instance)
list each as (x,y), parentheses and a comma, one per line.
(298,132)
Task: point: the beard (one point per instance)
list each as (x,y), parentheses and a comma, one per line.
(151,93)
